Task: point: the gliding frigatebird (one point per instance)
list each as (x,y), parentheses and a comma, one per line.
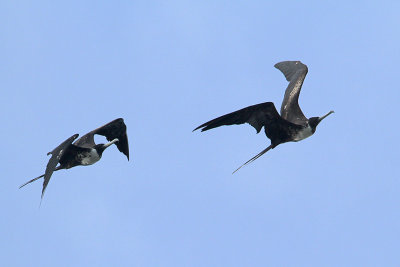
(290,126)
(84,151)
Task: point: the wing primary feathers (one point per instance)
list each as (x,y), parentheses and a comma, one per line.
(227,119)
(295,72)
(257,116)
(290,68)
(56,155)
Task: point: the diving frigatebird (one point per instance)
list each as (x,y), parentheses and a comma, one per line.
(290,126)
(84,151)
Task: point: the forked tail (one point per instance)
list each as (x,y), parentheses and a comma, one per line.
(254,158)
(30,181)
(34,179)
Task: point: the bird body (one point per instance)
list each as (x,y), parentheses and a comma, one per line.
(88,158)
(84,151)
(303,133)
(75,155)
(289,126)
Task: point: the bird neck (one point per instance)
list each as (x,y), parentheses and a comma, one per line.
(313,123)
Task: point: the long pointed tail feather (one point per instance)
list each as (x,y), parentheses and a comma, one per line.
(34,179)
(30,181)
(254,158)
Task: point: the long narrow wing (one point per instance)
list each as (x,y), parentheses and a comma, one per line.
(257,116)
(112,130)
(295,73)
(57,153)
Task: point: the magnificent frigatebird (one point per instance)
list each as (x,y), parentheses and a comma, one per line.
(84,151)
(290,126)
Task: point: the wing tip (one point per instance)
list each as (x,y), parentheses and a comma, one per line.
(204,126)
(289,68)
(286,62)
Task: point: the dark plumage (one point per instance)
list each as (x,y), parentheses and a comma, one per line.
(84,151)
(290,125)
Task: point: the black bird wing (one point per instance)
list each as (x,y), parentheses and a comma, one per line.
(257,116)
(57,153)
(112,130)
(295,73)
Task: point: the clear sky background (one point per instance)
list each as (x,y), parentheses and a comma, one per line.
(167,67)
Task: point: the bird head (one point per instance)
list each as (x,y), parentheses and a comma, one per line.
(101,147)
(314,121)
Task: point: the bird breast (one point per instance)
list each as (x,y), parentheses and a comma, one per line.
(89,158)
(303,134)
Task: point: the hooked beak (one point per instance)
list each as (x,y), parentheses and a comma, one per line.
(326,115)
(110,143)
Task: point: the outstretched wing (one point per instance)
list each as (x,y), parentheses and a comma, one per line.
(295,73)
(257,116)
(112,130)
(57,153)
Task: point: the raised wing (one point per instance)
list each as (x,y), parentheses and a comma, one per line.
(112,130)
(257,116)
(57,153)
(295,72)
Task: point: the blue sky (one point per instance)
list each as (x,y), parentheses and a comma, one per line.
(167,67)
